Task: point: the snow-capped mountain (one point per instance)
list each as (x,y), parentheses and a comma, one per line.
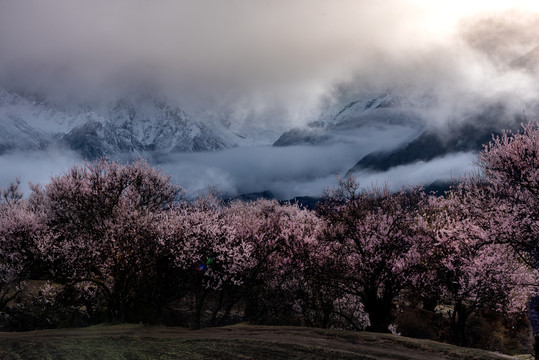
(364,135)
(386,109)
(136,127)
(416,138)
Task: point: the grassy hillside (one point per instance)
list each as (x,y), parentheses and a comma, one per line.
(132,342)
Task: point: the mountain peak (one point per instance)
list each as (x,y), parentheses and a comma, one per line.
(125,125)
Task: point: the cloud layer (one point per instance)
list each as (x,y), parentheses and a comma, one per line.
(272,65)
(280,57)
(303,170)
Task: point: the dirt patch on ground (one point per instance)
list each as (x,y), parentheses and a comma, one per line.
(231,342)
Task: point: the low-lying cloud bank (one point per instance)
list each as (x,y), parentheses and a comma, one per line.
(300,171)
(36,167)
(286,172)
(446,168)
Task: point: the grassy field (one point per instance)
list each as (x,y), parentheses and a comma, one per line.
(132,342)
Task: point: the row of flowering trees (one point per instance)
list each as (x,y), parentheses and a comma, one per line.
(119,239)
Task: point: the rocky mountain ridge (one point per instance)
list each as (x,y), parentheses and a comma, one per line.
(133,127)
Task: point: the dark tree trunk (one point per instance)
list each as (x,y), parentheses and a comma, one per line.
(430,303)
(534,321)
(200,300)
(117,309)
(380,312)
(459,318)
(327,309)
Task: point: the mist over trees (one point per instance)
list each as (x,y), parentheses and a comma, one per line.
(118,242)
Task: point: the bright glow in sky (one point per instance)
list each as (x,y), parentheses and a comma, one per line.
(441,17)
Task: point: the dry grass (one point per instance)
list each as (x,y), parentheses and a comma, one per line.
(131,342)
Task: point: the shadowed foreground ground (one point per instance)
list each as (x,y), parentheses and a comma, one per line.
(132,342)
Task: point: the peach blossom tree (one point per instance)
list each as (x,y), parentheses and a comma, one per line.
(102,219)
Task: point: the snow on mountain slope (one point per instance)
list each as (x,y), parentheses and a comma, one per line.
(361,106)
(135,126)
(386,109)
(417,137)
(16,133)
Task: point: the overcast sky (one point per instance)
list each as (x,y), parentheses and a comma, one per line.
(278,61)
(285,53)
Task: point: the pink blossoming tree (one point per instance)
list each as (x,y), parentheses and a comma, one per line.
(19,232)
(371,233)
(103,223)
(287,277)
(510,166)
(461,266)
(509,185)
(207,257)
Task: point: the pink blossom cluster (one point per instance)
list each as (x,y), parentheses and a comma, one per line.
(120,239)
